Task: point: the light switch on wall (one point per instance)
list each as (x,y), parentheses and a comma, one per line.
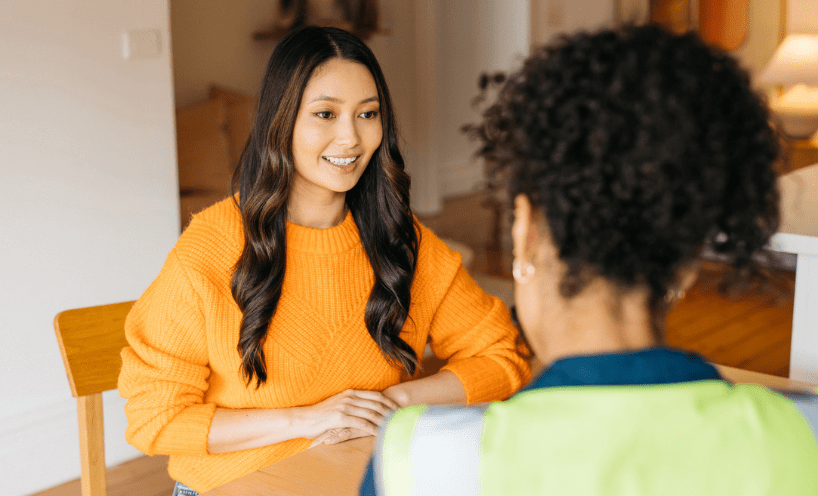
(141,44)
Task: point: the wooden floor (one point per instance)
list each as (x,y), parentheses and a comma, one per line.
(145,476)
(750,330)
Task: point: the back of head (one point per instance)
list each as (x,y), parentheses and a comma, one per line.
(639,147)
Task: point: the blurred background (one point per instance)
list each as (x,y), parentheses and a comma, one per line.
(119,119)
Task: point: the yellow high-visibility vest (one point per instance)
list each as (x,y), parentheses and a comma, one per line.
(687,439)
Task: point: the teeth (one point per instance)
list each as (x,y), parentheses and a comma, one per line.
(340,161)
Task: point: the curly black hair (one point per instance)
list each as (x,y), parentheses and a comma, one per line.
(640,147)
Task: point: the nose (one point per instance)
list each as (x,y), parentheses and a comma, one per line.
(348,134)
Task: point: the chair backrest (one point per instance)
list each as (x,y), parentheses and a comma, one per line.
(90,341)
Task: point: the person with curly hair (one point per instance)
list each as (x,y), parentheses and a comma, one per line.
(626,152)
(296,312)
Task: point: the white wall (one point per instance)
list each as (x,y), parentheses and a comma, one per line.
(406,50)
(550,18)
(475,36)
(212,43)
(431,52)
(88,208)
(802,16)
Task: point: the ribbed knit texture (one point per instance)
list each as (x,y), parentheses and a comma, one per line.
(182,361)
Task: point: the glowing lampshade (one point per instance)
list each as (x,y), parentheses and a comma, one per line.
(795,62)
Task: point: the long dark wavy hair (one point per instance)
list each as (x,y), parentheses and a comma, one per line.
(379,202)
(640,148)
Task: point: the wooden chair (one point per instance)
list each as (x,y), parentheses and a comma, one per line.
(90,341)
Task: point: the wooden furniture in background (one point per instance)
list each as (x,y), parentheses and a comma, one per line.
(210,137)
(676,15)
(724,23)
(90,340)
(359,17)
(801,153)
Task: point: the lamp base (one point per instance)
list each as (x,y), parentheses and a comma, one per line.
(797,110)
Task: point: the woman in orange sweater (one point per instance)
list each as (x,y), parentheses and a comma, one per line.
(295,312)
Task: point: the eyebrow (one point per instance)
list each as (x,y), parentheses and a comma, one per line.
(327,98)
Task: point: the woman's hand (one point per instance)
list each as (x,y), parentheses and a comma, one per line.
(347,415)
(335,436)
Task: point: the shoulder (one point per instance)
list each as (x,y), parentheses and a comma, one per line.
(215,236)
(435,255)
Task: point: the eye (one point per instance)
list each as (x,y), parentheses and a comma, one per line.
(371,114)
(324,114)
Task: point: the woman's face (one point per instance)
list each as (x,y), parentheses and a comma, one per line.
(337,129)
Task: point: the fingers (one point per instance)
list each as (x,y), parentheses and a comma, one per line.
(375,417)
(363,420)
(323,437)
(373,406)
(335,436)
(375,396)
(362,410)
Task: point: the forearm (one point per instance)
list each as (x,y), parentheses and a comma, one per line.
(442,387)
(358,410)
(234,430)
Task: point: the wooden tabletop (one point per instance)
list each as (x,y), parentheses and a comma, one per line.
(331,470)
(337,470)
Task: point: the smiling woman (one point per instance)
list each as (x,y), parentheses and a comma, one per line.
(295,313)
(337,131)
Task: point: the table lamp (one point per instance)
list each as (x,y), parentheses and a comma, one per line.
(795,66)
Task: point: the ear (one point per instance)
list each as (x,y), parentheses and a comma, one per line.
(522,228)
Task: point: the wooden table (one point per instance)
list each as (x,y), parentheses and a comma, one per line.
(331,470)
(337,470)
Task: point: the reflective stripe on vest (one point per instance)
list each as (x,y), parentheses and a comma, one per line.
(425,442)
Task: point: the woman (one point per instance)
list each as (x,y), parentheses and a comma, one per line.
(625,152)
(296,312)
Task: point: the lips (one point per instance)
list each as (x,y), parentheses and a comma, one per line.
(340,162)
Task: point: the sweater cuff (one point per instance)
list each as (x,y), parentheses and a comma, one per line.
(483,379)
(188,432)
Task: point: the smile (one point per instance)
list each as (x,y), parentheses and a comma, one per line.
(340,161)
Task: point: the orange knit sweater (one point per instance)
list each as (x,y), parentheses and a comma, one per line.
(182,361)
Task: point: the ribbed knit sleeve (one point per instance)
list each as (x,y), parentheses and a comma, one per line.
(470,329)
(164,370)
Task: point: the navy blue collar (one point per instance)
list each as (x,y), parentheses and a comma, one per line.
(649,366)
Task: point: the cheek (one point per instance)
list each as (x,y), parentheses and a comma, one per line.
(373,137)
(307,140)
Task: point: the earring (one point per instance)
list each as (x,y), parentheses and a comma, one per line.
(523,271)
(674,295)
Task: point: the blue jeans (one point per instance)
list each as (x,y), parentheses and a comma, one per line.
(182,490)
